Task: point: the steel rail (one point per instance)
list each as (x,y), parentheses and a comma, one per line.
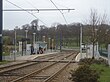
(7,66)
(37,71)
(19,66)
(58,72)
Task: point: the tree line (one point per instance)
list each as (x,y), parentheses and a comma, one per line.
(96,29)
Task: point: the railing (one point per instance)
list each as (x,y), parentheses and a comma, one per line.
(13,56)
(103,53)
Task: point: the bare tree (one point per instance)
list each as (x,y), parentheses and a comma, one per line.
(104,19)
(94,21)
(105,30)
(97,25)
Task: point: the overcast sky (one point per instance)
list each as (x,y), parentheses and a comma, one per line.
(81,12)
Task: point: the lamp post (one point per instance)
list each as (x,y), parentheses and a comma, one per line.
(43,38)
(26,41)
(52,44)
(15,43)
(80,41)
(96,45)
(34,40)
(60,40)
(49,43)
(96,34)
(56,39)
(1,29)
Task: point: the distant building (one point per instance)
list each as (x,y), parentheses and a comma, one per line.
(37,46)
(42,45)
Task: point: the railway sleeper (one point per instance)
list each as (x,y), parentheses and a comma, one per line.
(60,61)
(39,77)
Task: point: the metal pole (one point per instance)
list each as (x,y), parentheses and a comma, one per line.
(34,41)
(52,44)
(96,43)
(60,41)
(56,40)
(109,54)
(43,38)
(22,48)
(49,44)
(15,47)
(1,30)
(80,41)
(26,41)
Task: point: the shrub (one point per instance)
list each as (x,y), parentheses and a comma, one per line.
(84,74)
(89,61)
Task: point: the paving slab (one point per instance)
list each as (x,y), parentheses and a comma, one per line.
(84,55)
(32,57)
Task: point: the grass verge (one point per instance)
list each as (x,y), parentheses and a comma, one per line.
(4,62)
(105,72)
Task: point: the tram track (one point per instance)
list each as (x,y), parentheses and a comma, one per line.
(42,74)
(14,74)
(23,64)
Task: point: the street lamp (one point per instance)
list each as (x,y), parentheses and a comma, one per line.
(96,41)
(1,22)
(43,38)
(106,31)
(52,44)
(26,41)
(96,34)
(80,41)
(56,38)
(49,43)
(15,43)
(34,40)
(60,40)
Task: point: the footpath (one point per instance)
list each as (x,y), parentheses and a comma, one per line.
(84,55)
(32,57)
(25,58)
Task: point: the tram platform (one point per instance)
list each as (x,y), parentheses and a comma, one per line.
(84,55)
(25,58)
(32,57)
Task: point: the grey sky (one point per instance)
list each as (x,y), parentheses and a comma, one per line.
(81,12)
